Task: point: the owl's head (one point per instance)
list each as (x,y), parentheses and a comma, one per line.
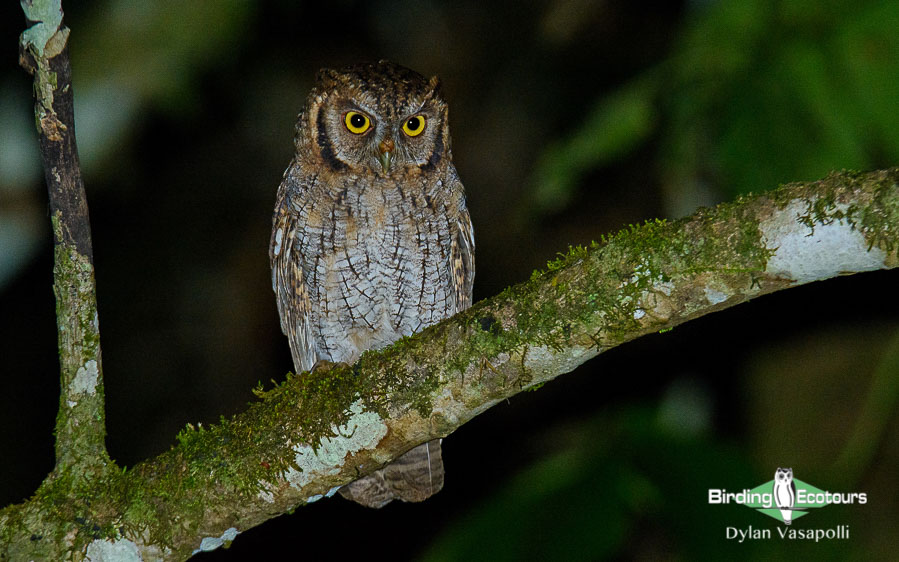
(783,475)
(381,118)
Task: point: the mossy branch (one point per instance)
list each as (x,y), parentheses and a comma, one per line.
(80,423)
(321,430)
(316,432)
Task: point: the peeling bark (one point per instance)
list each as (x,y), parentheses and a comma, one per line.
(81,422)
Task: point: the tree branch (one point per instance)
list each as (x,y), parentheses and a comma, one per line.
(80,424)
(321,430)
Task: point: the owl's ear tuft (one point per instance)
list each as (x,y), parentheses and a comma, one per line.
(435,87)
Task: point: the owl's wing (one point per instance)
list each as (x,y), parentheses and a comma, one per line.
(290,288)
(463,256)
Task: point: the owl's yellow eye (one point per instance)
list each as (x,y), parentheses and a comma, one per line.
(414,125)
(356,122)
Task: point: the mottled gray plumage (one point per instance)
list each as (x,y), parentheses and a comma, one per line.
(371,239)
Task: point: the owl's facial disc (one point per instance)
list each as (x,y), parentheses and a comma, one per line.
(358,132)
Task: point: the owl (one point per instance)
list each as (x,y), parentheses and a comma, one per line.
(371,239)
(785,493)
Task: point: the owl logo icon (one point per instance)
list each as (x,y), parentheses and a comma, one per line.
(785,493)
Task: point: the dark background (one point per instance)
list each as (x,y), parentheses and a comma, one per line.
(570,119)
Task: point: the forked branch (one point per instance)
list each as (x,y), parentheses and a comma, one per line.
(321,430)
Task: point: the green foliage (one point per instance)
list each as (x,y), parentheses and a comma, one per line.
(755,94)
(143,55)
(155,49)
(600,489)
(615,125)
(593,490)
(794,103)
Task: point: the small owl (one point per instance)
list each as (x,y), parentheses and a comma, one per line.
(784,493)
(371,239)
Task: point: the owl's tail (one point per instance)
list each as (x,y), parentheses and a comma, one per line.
(413,477)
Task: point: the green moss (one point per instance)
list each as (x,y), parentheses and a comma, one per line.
(623,268)
(561,300)
(223,464)
(867,202)
(75,506)
(879,220)
(535,387)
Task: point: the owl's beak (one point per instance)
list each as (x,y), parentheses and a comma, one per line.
(386,147)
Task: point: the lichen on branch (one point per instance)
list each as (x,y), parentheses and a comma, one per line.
(318,431)
(80,423)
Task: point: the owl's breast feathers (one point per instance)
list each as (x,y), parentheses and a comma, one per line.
(358,265)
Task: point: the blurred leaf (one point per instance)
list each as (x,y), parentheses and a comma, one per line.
(780,100)
(867,49)
(571,505)
(624,486)
(155,49)
(20,237)
(873,421)
(756,93)
(790,383)
(127,55)
(615,125)
(20,159)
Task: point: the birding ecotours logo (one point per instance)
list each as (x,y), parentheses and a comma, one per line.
(785,493)
(779,498)
(785,498)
